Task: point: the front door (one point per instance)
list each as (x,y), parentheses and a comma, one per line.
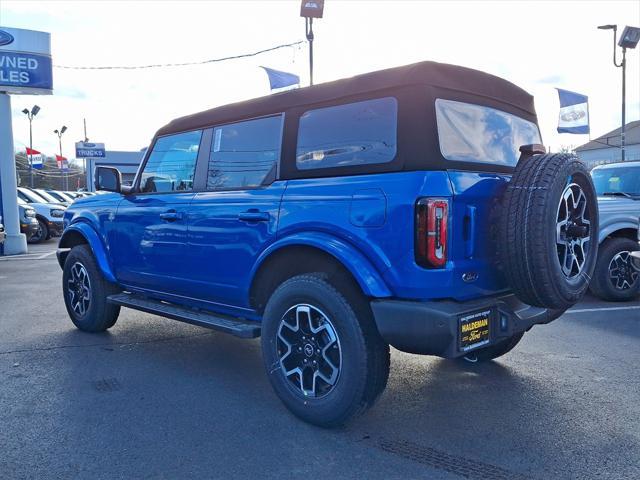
(236,218)
(149,234)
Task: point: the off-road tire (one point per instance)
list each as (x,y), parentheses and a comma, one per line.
(494,351)
(601,285)
(99,315)
(364,366)
(528,248)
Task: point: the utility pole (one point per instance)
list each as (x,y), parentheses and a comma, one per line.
(624,99)
(311,9)
(30,114)
(84,160)
(64,174)
(309,32)
(629,39)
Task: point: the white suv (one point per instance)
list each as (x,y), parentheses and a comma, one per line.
(49,215)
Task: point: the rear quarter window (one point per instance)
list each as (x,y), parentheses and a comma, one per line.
(359,133)
(475,133)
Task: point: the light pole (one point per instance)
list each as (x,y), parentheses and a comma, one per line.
(311,9)
(629,39)
(30,114)
(59,133)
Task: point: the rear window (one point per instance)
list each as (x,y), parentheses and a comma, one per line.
(473,133)
(359,133)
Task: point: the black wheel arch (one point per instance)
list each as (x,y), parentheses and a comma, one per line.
(294,260)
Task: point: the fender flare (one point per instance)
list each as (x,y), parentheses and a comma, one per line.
(608,230)
(95,243)
(356,263)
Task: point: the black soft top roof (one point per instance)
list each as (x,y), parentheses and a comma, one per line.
(451,77)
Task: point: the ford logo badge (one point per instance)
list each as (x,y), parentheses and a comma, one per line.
(573,116)
(5,38)
(470,276)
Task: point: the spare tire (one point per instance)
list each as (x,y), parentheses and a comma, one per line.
(548,230)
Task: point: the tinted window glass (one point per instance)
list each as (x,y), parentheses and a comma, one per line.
(617,180)
(473,133)
(245,154)
(359,133)
(171,164)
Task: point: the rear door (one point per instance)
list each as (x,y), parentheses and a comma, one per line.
(148,236)
(236,218)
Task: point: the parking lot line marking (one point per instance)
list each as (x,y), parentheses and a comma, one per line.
(22,256)
(603,309)
(45,255)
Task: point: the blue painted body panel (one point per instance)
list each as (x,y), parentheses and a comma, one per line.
(223,248)
(146,250)
(90,217)
(208,257)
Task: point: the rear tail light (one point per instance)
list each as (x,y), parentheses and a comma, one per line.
(432,221)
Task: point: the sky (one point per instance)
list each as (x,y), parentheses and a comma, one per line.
(538,45)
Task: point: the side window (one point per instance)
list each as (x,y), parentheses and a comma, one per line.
(359,133)
(475,133)
(245,154)
(172,163)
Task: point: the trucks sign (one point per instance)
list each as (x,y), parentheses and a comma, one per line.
(90,150)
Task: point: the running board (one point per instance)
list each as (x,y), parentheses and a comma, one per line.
(237,327)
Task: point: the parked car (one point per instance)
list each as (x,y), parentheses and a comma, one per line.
(618,188)
(61,196)
(48,215)
(635,255)
(3,235)
(413,206)
(28,223)
(49,197)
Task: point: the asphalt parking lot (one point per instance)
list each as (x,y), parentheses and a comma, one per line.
(154,398)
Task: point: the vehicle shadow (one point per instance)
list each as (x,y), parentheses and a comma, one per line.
(520,418)
(210,391)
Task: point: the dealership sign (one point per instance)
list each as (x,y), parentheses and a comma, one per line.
(25,61)
(89,150)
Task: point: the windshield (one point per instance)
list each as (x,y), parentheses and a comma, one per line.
(617,180)
(49,198)
(473,133)
(30,197)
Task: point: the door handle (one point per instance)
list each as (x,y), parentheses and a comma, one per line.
(171,216)
(254,216)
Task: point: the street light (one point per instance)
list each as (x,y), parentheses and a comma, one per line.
(59,133)
(30,114)
(629,39)
(310,9)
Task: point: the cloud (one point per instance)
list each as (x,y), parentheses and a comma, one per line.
(552,79)
(125,108)
(70,92)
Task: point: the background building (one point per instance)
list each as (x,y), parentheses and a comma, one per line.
(606,148)
(126,162)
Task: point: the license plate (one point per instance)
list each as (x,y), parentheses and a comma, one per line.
(473,330)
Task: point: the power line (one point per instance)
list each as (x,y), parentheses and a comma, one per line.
(184,64)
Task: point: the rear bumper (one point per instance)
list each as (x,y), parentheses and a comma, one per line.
(431,328)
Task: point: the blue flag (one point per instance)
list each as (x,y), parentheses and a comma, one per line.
(278,79)
(574,112)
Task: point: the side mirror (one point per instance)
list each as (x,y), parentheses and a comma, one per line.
(109,179)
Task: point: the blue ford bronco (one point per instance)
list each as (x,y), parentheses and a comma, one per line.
(412,207)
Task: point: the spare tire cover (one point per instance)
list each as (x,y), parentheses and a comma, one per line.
(548,230)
